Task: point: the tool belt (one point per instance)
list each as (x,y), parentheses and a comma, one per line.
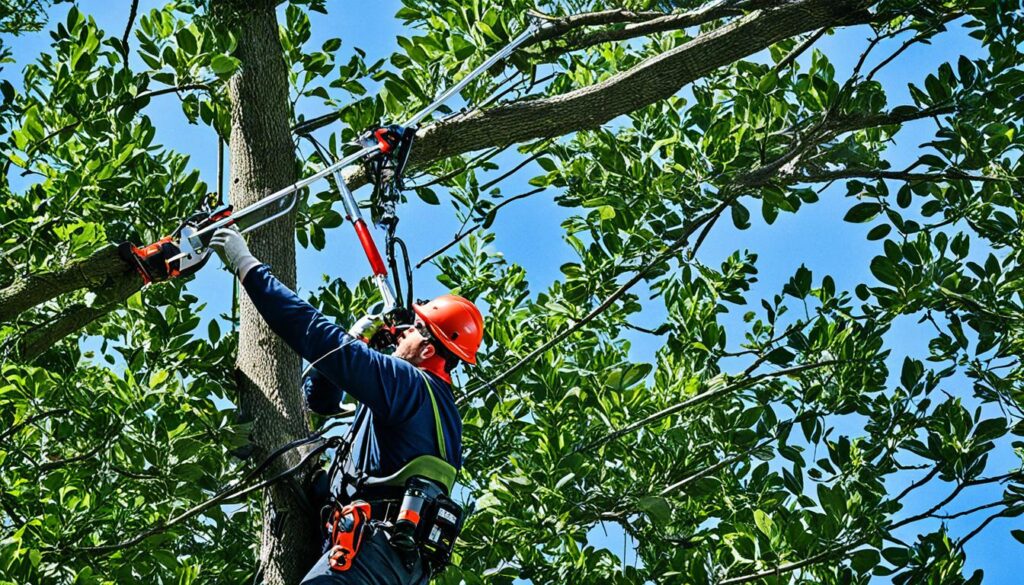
(423,524)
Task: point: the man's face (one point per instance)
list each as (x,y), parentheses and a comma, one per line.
(413,345)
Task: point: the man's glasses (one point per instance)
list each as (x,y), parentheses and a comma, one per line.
(422,328)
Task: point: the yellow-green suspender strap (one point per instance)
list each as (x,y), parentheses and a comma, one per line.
(437,416)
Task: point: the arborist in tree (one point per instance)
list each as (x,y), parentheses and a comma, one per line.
(391,519)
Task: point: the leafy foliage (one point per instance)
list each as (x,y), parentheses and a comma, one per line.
(779,437)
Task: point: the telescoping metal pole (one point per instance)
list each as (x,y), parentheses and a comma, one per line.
(281,202)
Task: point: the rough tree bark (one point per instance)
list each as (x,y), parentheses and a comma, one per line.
(104,272)
(263,161)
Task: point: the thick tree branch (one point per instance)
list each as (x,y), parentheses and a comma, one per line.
(639,24)
(947,175)
(110,296)
(103,265)
(654,79)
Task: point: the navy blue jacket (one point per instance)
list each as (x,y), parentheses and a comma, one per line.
(400,418)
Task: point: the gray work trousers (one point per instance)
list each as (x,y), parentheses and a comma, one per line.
(376,563)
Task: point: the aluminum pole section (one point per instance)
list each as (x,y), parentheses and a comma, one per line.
(195,241)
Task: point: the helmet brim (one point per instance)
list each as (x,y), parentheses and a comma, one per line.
(440,336)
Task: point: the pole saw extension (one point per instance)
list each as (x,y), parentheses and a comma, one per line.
(186,250)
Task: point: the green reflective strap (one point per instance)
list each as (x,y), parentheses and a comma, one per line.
(437,416)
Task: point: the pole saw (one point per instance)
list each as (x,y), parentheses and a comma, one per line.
(187,250)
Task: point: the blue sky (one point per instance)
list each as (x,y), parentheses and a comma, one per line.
(529,232)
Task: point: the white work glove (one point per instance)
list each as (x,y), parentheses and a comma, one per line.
(366,327)
(233,251)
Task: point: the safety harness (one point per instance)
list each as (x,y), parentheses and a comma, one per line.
(412,504)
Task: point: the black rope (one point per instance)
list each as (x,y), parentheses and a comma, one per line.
(387,191)
(392,241)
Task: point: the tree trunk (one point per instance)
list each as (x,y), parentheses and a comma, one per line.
(263,161)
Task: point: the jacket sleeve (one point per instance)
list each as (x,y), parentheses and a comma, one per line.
(379,381)
(322,397)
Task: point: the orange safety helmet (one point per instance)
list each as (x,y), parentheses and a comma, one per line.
(456,323)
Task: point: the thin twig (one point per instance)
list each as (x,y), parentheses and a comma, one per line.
(45,414)
(963,541)
(128,30)
(970,511)
(799,50)
(914,485)
(702,398)
(462,235)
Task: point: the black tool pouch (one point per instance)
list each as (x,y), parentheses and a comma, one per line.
(438,531)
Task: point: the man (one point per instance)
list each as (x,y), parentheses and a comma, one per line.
(406,412)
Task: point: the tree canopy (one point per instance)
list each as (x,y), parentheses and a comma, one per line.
(780,438)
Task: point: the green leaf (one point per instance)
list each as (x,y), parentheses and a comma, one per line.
(864,561)
(897,556)
(768,82)
(966,69)
(740,216)
(317,237)
(911,373)
(764,523)
(780,356)
(213,331)
(623,378)
(428,196)
(879,231)
(656,508)
(862,212)
(187,41)
(331,45)
(884,271)
(158,377)
(224,65)
(331,219)
(991,429)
